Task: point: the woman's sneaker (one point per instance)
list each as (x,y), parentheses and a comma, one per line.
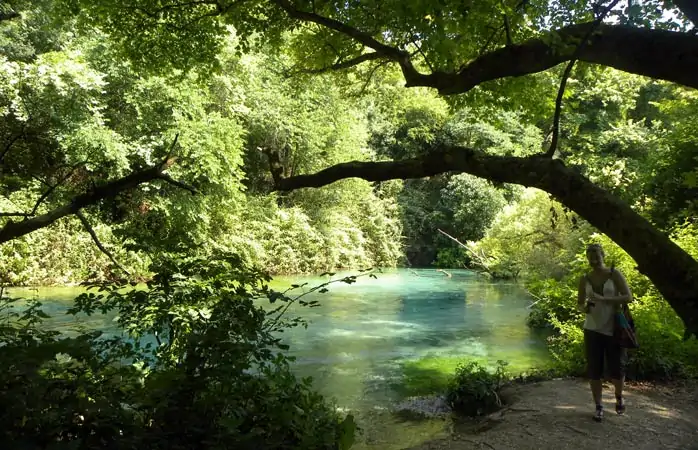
(620,406)
(598,415)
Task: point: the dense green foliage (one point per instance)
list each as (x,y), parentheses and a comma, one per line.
(476,389)
(91,91)
(624,134)
(75,114)
(201,364)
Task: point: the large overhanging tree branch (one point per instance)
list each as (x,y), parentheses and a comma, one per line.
(659,54)
(672,270)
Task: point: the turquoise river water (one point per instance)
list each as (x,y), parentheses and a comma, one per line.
(372,343)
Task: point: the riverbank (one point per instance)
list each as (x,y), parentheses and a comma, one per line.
(557,415)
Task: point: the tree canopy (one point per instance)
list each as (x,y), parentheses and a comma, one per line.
(479,54)
(197,146)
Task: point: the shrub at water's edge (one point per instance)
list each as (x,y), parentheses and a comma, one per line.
(476,390)
(213,375)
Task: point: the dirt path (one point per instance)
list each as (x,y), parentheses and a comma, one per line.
(557,415)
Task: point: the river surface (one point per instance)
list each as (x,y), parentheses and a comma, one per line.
(373,343)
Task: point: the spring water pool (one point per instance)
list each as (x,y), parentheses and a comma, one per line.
(374,342)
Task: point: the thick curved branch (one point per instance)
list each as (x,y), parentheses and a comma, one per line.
(98,243)
(358,35)
(671,269)
(13,230)
(660,54)
(385,51)
(15,214)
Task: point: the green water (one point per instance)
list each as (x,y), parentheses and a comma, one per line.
(377,341)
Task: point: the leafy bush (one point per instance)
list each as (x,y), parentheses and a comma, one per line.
(64,253)
(201,366)
(552,300)
(474,390)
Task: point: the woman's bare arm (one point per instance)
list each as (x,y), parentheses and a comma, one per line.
(581,295)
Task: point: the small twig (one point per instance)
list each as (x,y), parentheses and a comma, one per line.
(9,146)
(506,26)
(276,319)
(167,162)
(97,242)
(489,40)
(179,184)
(341,64)
(566,74)
(523,409)
(370,76)
(507,30)
(537,301)
(53,187)
(444,272)
(489,445)
(421,52)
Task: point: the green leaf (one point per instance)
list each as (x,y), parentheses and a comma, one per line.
(347,431)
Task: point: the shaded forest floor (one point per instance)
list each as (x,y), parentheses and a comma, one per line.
(558,415)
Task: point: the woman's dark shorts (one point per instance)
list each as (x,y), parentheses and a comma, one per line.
(599,346)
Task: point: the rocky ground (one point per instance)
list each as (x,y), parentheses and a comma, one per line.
(546,415)
(557,415)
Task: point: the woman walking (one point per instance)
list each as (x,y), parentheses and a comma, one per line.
(601,294)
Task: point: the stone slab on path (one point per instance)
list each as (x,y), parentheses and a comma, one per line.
(558,415)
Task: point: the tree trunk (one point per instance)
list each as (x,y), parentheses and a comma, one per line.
(671,269)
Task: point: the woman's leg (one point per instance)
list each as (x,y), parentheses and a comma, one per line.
(594,347)
(617,358)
